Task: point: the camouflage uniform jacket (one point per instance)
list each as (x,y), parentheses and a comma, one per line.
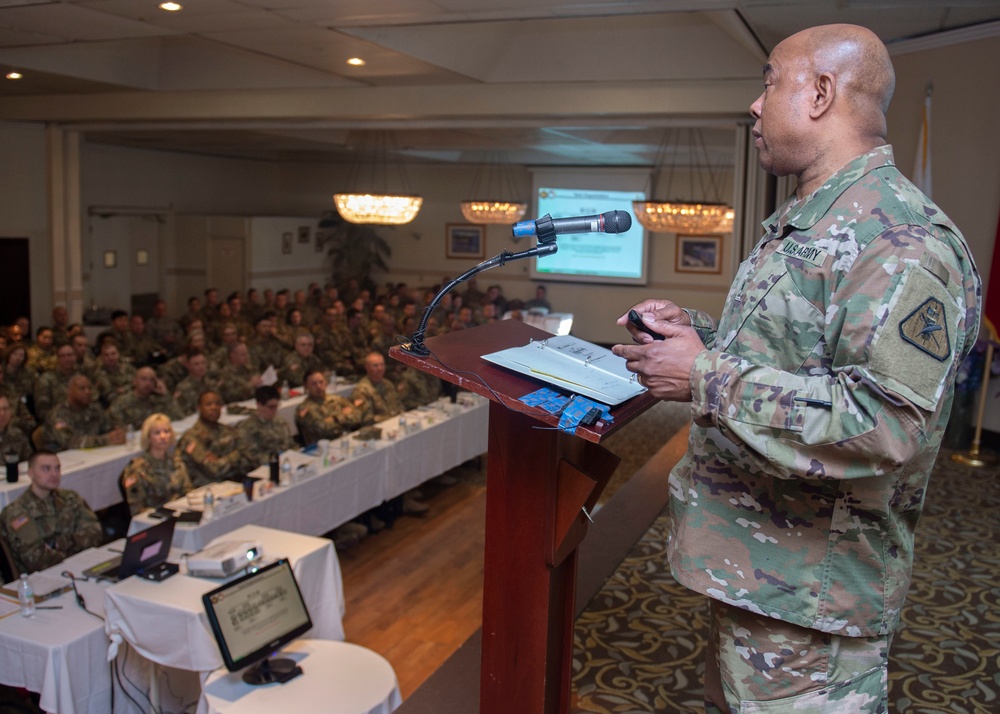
(259,439)
(41,359)
(21,417)
(149,482)
(69,428)
(111,385)
(334,348)
(264,353)
(13,440)
(296,367)
(167,333)
(234,384)
(211,453)
(417,388)
(43,533)
(172,372)
(326,419)
(820,403)
(188,390)
(50,390)
(377,402)
(132,409)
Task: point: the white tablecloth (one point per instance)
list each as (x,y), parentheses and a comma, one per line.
(378,470)
(62,654)
(337,678)
(166,623)
(93,473)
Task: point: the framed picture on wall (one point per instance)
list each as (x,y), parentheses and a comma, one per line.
(286,243)
(303,234)
(142,257)
(111,259)
(699,254)
(464,240)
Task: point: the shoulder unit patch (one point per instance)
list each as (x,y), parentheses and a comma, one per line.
(926,328)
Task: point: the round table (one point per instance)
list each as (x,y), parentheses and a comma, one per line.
(337,678)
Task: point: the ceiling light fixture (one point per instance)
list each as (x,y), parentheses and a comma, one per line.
(689,217)
(171,6)
(365,203)
(14,75)
(502,204)
(356,62)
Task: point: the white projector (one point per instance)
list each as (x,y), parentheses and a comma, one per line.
(222,559)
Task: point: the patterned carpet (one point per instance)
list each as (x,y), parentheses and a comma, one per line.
(640,643)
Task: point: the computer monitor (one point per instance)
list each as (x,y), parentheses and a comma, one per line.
(253,617)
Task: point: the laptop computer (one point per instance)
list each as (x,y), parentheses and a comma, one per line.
(145,554)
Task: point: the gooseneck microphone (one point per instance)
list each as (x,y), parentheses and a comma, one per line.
(547,228)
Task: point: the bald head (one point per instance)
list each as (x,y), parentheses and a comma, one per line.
(859,61)
(826,90)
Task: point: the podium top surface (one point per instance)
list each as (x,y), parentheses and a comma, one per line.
(456,357)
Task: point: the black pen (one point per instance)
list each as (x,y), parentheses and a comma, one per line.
(48,607)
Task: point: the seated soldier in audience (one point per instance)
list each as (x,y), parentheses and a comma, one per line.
(416,388)
(144,349)
(149,395)
(47,524)
(78,423)
(51,387)
(264,433)
(42,353)
(84,360)
(21,416)
(112,377)
(332,340)
(176,368)
(12,439)
(266,350)
(357,339)
(211,450)
(237,379)
(121,334)
(197,380)
(60,325)
(374,395)
(18,375)
(163,330)
(210,310)
(301,361)
(228,336)
(322,415)
(158,474)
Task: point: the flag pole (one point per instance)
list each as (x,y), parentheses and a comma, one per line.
(974,457)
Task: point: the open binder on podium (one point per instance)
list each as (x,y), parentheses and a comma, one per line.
(573,364)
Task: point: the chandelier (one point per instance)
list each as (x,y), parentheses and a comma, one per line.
(689,217)
(366,204)
(503,206)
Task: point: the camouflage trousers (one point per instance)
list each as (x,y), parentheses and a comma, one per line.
(759,664)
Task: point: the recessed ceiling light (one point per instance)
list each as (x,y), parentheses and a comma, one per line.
(14,75)
(356,62)
(171,6)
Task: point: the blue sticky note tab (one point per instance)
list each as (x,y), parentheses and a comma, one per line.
(577,409)
(547,399)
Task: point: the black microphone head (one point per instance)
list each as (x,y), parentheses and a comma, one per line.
(616,221)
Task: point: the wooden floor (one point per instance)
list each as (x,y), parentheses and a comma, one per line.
(414,593)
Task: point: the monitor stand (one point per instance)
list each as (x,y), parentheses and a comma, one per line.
(278,669)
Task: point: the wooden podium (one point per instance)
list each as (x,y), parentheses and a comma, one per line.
(539,481)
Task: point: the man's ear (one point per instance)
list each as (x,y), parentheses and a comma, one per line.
(824,91)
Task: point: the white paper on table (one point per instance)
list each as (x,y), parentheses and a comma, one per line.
(8,607)
(269,376)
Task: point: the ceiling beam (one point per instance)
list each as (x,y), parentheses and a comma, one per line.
(542,101)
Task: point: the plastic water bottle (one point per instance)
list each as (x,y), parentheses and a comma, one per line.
(286,471)
(208,506)
(284,391)
(130,436)
(26,596)
(402,424)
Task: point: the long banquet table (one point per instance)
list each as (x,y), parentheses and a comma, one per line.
(93,473)
(361,475)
